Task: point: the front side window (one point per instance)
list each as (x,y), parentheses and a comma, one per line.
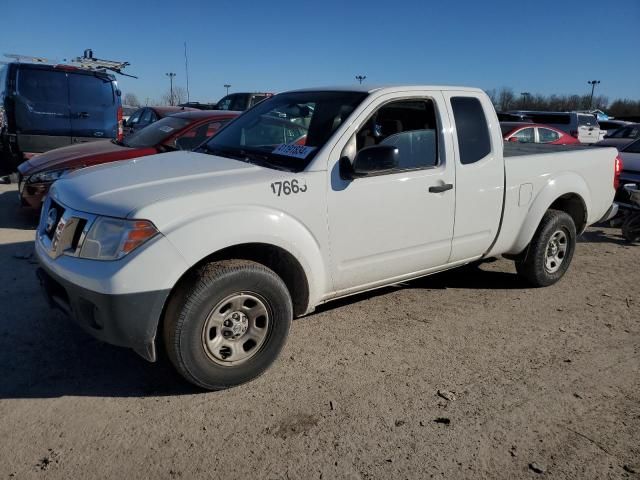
(90,90)
(409,125)
(547,135)
(526,135)
(135,117)
(285,131)
(474,142)
(145,119)
(43,86)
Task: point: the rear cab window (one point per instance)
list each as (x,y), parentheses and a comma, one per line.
(474,142)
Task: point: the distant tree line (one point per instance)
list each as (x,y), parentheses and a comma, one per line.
(505,99)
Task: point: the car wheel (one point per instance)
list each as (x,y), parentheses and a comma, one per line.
(550,251)
(227,323)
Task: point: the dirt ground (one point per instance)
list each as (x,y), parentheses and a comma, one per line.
(541,383)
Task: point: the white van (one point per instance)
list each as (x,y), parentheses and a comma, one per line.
(583,126)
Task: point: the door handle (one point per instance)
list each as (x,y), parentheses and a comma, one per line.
(83,115)
(441,188)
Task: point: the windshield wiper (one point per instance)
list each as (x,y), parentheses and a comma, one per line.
(255,158)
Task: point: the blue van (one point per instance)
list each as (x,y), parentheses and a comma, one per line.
(43,107)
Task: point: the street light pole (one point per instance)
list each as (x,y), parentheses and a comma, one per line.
(227,86)
(360,78)
(170,75)
(593,84)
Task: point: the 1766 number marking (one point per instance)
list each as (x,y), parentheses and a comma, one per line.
(288,187)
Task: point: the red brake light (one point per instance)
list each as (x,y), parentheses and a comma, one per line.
(120,126)
(616,172)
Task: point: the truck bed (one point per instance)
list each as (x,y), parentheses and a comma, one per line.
(517,149)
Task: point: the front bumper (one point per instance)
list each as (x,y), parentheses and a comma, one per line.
(125,320)
(32,195)
(119,302)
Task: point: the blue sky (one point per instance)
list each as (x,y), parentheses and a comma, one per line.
(541,46)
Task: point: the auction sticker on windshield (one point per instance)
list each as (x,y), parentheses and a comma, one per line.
(166,129)
(297,151)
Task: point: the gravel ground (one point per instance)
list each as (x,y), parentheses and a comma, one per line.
(539,383)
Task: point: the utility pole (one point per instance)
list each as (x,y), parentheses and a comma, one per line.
(227,86)
(593,84)
(360,78)
(186,68)
(171,75)
(525,99)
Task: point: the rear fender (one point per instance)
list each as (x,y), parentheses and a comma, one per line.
(557,186)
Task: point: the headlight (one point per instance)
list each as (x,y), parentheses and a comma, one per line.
(112,238)
(47,177)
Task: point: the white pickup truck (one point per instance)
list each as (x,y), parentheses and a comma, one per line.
(310,196)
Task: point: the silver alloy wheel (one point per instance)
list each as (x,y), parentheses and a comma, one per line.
(556,251)
(236,328)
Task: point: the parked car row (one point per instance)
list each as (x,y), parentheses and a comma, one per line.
(180,131)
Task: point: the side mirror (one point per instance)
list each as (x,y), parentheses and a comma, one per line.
(514,139)
(375,160)
(124,122)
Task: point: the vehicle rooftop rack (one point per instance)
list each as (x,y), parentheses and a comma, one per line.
(87,62)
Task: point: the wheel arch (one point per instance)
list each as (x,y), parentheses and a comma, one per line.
(568,193)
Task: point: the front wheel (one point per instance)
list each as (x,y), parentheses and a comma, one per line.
(227,323)
(550,251)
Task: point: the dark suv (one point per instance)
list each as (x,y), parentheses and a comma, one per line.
(43,107)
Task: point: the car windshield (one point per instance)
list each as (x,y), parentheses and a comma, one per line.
(285,131)
(156,133)
(631,131)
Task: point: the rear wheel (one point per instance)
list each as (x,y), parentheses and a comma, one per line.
(227,324)
(550,251)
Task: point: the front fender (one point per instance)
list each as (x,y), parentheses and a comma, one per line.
(200,237)
(554,188)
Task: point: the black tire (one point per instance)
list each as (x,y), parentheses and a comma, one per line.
(534,268)
(197,297)
(631,228)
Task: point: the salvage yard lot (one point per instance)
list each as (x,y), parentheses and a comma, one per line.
(549,377)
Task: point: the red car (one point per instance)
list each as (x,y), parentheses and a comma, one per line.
(520,132)
(145,116)
(181,131)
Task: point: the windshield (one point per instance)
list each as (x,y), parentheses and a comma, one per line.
(285,131)
(156,133)
(632,131)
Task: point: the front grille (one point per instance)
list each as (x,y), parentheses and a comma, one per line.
(62,229)
(53,214)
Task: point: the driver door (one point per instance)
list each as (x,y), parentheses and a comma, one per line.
(391,225)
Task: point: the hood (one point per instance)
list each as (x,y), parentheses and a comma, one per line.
(68,155)
(117,189)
